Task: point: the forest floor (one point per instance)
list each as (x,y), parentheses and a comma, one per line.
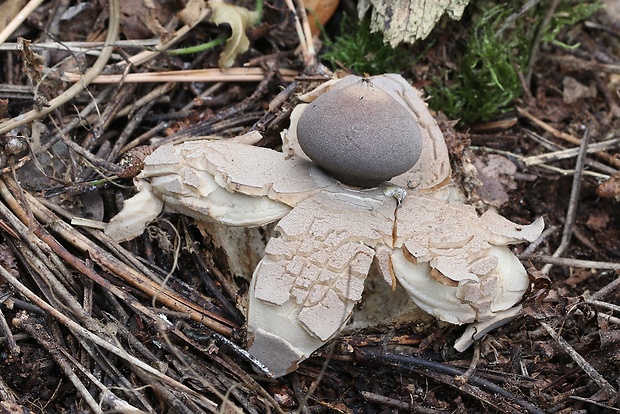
(87,325)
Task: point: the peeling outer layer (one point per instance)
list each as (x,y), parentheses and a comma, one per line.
(432,169)
(137,213)
(476,331)
(223,181)
(313,272)
(453,263)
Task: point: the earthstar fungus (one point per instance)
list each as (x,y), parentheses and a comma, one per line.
(453,263)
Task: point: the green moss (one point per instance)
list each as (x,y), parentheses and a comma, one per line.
(487,80)
(363,52)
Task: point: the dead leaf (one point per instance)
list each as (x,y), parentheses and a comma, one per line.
(598,220)
(239,19)
(579,276)
(610,188)
(192,13)
(408,20)
(496,173)
(319,12)
(4,107)
(33,62)
(141,19)
(574,90)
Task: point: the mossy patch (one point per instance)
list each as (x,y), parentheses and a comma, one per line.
(362,52)
(487,80)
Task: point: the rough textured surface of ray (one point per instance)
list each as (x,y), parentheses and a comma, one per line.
(313,272)
(453,262)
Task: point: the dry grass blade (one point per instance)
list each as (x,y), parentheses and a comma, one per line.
(113,265)
(571,152)
(19,19)
(564,136)
(73,91)
(79,330)
(197,75)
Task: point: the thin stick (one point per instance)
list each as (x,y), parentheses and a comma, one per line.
(387,401)
(551,146)
(605,305)
(545,166)
(471,370)
(544,236)
(76,88)
(571,213)
(303,43)
(563,261)
(77,120)
(537,40)
(113,265)
(601,293)
(195,75)
(562,135)
(310,58)
(5,330)
(79,330)
(570,152)
(513,17)
(37,331)
(579,360)
(82,47)
(19,19)
(144,57)
(586,65)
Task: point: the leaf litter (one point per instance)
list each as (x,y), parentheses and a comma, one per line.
(88,323)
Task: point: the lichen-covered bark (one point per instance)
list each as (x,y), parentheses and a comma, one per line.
(408,20)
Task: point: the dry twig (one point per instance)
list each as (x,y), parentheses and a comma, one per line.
(571,213)
(196,75)
(564,136)
(579,360)
(76,88)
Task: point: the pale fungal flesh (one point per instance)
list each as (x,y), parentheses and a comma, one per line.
(453,263)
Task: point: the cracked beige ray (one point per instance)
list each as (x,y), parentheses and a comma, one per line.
(313,272)
(453,263)
(225,181)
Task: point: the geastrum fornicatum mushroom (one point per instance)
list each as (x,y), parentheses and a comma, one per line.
(453,263)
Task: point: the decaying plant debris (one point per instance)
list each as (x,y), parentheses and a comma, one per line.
(155,325)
